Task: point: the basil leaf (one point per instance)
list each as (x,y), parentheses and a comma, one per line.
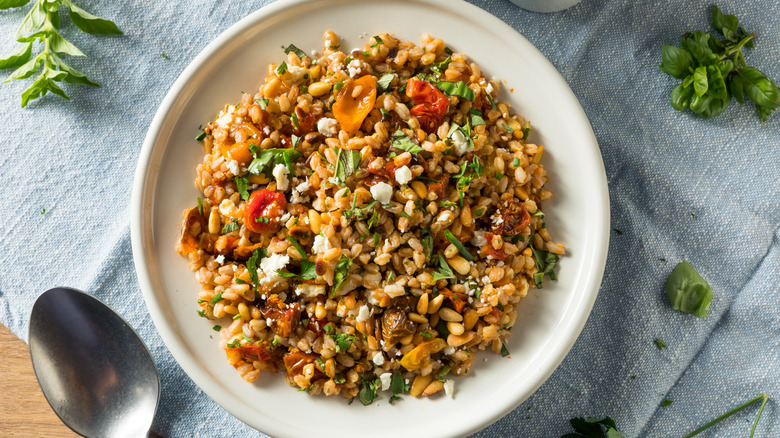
(759,88)
(397,383)
(426,240)
(459,89)
(700,83)
(736,87)
(681,97)
(61,45)
(282,69)
(717,85)
(384,82)
(725,24)
(347,162)
(400,140)
(367,392)
(268,159)
(17,58)
(698,44)
(441,66)
(7,4)
(33,21)
(230,227)
(242,183)
(461,249)
(341,271)
(251,266)
(263,103)
(764,112)
(27,69)
(91,24)
(688,291)
(476,117)
(76,77)
(297,51)
(296,245)
(675,61)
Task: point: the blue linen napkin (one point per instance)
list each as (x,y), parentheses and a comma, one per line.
(706,191)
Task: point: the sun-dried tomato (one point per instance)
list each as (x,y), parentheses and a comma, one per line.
(283,316)
(189,243)
(430,104)
(512,217)
(317,326)
(295,360)
(252,353)
(458,300)
(264,209)
(497,254)
(306,121)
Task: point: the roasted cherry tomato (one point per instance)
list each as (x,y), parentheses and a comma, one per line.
(250,353)
(264,209)
(430,104)
(351,111)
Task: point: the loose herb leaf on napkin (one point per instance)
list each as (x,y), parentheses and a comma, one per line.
(592,428)
(688,291)
(713,70)
(41,24)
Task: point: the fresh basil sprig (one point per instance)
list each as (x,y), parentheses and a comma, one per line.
(714,70)
(41,24)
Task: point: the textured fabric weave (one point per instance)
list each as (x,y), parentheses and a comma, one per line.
(707,191)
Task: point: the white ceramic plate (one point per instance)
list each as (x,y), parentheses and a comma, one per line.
(550,320)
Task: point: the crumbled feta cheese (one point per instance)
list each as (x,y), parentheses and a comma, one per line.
(328,127)
(385,378)
(445,216)
(460,143)
(310,290)
(225,120)
(298,196)
(489,89)
(270,265)
(479,239)
(354,68)
(403,175)
(449,351)
(497,219)
(267,130)
(379,359)
(363,314)
(449,387)
(281,172)
(220,259)
(321,244)
(234,167)
(382,192)
(227,207)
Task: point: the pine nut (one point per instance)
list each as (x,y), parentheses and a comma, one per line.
(460,265)
(448,315)
(455,328)
(422,304)
(319,88)
(435,304)
(458,340)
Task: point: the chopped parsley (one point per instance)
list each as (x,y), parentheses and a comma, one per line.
(217,328)
(368,389)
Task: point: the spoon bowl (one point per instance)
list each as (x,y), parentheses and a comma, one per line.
(93,368)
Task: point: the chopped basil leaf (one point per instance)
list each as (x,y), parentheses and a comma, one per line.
(397,383)
(539,213)
(459,89)
(447,50)
(504,351)
(461,249)
(251,266)
(440,67)
(666,403)
(282,69)
(297,51)
(508,128)
(426,240)
(426,335)
(347,162)
(243,184)
(366,53)
(295,122)
(341,271)
(385,114)
(263,103)
(269,158)
(253,148)
(230,227)
(526,130)
(402,141)
(476,117)
(492,104)
(240,281)
(516,162)
(545,263)
(384,82)
(404,214)
(660,343)
(376,239)
(295,140)
(217,328)
(200,206)
(479,212)
(308,271)
(338,86)
(201,136)
(378,41)
(216,298)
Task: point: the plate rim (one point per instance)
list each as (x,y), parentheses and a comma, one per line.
(581,307)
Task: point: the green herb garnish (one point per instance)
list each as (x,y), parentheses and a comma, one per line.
(242,183)
(763,398)
(216,298)
(41,24)
(459,89)
(476,117)
(268,159)
(341,271)
(713,70)
(688,291)
(297,51)
(217,328)
(251,266)
(201,136)
(461,249)
(400,140)
(230,227)
(262,103)
(504,351)
(591,428)
(296,245)
(545,263)
(444,272)
(368,389)
(282,69)
(200,205)
(660,343)
(666,403)
(384,82)
(347,162)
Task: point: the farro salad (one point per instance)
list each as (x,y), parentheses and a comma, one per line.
(369,220)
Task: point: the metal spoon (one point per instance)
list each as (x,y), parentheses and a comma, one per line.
(94,370)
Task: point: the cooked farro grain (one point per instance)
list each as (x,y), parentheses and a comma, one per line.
(368,219)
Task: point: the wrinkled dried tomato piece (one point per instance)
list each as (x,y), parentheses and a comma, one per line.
(317,326)
(252,353)
(430,104)
(512,217)
(306,121)
(282,315)
(458,300)
(295,360)
(497,254)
